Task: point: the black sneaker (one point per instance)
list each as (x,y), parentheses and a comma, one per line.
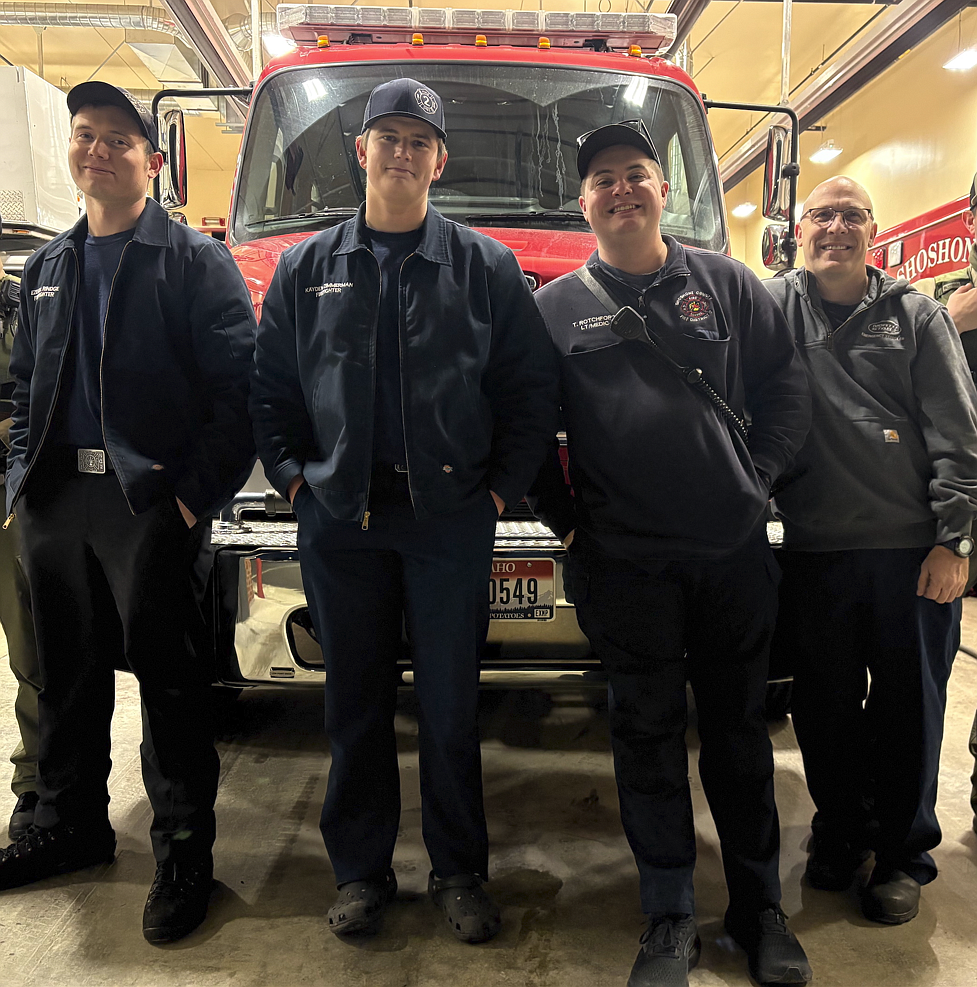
(832,864)
(23,815)
(42,853)
(670,947)
(891,897)
(178,900)
(772,951)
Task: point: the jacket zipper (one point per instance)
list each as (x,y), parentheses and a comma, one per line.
(833,332)
(365,525)
(57,390)
(101,358)
(403,414)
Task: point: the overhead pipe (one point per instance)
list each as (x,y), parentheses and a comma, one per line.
(97,15)
(904,27)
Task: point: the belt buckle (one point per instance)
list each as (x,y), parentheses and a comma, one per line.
(91,460)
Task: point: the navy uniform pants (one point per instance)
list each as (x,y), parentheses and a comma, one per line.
(654,627)
(871,755)
(364,588)
(18,628)
(109,587)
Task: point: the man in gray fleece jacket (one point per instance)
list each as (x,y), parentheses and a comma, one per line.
(877,518)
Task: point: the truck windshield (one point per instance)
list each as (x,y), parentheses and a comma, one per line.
(512,133)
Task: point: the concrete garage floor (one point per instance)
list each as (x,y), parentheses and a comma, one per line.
(561,868)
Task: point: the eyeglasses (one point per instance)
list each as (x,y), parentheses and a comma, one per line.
(853,218)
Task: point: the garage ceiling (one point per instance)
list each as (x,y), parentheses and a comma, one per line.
(735,55)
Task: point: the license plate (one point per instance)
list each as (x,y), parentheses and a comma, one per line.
(522,589)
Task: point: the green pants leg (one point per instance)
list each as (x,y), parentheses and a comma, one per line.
(18,626)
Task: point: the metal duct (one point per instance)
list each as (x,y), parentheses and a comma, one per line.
(239,28)
(88,15)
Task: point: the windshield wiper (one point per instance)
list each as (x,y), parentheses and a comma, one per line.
(514,218)
(333,211)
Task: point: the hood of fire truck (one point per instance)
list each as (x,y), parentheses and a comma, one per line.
(543,254)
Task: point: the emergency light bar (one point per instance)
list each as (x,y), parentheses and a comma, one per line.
(304,23)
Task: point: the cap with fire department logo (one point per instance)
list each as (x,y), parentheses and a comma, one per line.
(405,98)
(89,93)
(631,132)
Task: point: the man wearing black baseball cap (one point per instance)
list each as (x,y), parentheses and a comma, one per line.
(403,393)
(130,429)
(669,566)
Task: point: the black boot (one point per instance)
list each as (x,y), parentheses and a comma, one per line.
(178,900)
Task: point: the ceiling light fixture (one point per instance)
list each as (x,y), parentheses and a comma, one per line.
(744,209)
(962,61)
(828,151)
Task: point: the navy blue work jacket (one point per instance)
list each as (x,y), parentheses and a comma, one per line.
(478,374)
(178,341)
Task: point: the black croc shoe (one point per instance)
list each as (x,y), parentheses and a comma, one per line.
(772,951)
(42,853)
(23,815)
(670,947)
(470,913)
(177,901)
(359,907)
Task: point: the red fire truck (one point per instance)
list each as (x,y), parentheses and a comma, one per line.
(518,87)
(934,243)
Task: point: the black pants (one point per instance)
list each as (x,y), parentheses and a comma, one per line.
(871,756)
(655,627)
(109,586)
(363,588)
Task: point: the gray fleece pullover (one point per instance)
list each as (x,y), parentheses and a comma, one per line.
(891,458)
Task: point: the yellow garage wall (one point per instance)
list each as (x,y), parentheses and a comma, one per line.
(910,137)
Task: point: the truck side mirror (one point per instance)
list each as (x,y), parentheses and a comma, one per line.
(776,184)
(773,249)
(173,194)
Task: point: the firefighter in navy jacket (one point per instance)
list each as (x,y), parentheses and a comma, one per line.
(669,567)
(403,392)
(130,426)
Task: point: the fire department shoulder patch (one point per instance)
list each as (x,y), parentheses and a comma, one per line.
(694,306)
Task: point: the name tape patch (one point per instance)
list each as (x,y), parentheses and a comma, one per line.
(330,288)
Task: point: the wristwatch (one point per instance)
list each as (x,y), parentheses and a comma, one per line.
(962,547)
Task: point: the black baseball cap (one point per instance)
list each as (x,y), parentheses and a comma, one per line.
(631,132)
(88,93)
(405,98)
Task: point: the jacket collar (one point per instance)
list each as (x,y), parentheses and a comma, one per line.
(675,264)
(806,286)
(152,228)
(434,236)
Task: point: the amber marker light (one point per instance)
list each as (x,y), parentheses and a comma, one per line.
(635,51)
(481,41)
(322,41)
(544,43)
(417,40)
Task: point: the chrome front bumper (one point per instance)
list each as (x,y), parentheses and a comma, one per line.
(264,635)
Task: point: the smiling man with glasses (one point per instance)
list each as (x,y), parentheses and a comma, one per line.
(877,533)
